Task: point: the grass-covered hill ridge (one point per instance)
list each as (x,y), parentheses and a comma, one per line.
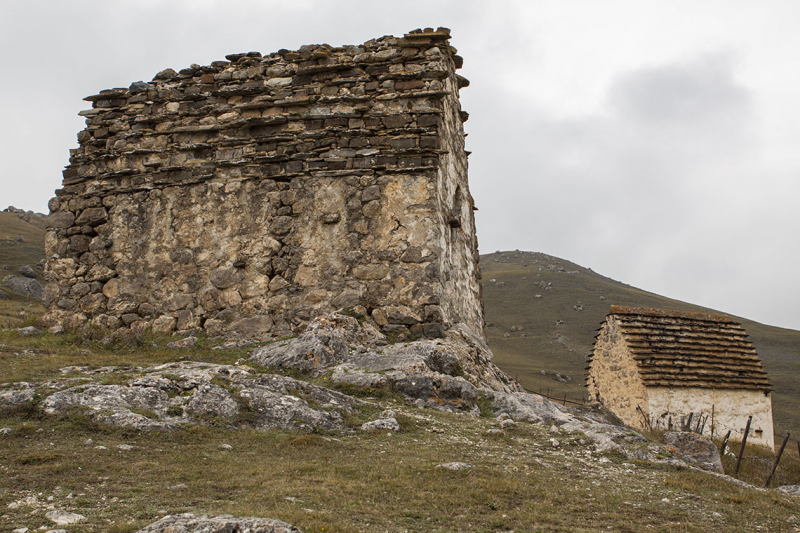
(21,239)
(559,306)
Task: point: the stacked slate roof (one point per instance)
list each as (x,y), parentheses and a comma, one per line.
(682,349)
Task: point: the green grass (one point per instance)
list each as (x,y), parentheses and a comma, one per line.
(362,482)
(544,346)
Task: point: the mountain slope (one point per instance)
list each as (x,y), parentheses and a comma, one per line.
(559,306)
(28,251)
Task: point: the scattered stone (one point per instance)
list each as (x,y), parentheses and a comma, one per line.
(125,447)
(64,518)
(88,442)
(507,423)
(179,486)
(440,372)
(555,443)
(695,448)
(390,424)
(794,490)
(187,342)
(24,286)
(6,431)
(454,466)
(29,331)
(27,271)
(218,524)
(494,431)
(149,401)
(225,447)
(21,530)
(16,394)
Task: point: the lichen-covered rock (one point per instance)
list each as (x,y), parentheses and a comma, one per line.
(445,373)
(387,424)
(695,448)
(25,286)
(186,523)
(27,271)
(16,394)
(522,406)
(114,404)
(165,396)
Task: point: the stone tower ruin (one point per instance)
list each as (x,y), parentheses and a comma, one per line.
(248,196)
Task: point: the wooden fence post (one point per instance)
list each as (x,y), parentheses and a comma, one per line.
(777,459)
(725,442)
(744,441)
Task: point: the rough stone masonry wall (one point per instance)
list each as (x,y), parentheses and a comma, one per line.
(253,194)
(614,379)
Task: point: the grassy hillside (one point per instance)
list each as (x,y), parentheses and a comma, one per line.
(558,326)
(14,253)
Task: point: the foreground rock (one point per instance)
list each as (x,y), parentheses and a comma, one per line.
(24,286)
(218,524)
(443,373)
(166,396)
(64,518)
(697,449)
(27,271)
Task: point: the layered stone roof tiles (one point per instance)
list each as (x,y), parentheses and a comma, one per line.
(682,349)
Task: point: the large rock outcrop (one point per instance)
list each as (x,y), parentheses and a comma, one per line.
(444,373)
(187,522)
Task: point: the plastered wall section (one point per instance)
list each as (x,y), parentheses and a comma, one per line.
(731,409)
(614,379)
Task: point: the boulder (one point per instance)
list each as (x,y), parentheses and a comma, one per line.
(16,394)
(27,271)
(696,449)
(444,373)
(24,286)
(63,518)
(165,396)
(217,524)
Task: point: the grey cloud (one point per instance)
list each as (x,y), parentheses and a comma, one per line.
(656,191)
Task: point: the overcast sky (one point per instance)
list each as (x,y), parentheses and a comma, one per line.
(655,142)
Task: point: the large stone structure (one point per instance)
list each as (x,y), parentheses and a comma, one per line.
(664,369)
(248,196)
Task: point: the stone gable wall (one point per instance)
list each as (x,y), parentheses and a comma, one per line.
(250,195)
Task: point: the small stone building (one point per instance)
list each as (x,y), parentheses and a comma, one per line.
(250,195)
(657,368)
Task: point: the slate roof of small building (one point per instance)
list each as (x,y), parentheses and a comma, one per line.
(682,349)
